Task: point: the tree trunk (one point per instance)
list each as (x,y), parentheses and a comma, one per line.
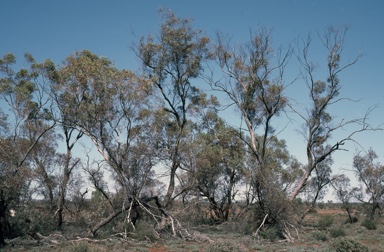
(175,165)
(107,220)
(349,215)
(375,205)
(3,210)
(61,200)
(299,185)
(171,187)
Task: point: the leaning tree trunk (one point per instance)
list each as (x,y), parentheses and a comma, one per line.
(107,220)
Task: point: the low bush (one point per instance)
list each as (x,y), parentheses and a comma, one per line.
(324,222)
(336,232)
(320,236)
(271,234)
(353,220)
(144,231)
(369,224)
(225,246)
(348,245)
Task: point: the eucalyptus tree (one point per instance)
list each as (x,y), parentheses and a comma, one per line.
(22,93)
(217,165)
(371,175)
(253,81)
(65,112)
(171,61)
(320,125)
(345,193)
(112,108)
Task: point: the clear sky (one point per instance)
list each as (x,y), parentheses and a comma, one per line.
(55,29)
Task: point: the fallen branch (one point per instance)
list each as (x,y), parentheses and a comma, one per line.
(261,225)
(287,234)
(107,220)
(297,232)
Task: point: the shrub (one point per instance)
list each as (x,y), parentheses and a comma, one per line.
(320,236)
(324,222)
(270,234)
(80,247)
(144,231)
(225,246)
(369,224)
(336,232)
(348,245)
(321,205)
(353,220)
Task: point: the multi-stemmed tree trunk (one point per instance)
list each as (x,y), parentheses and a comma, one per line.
(68,163)
(256,87)
(115,116)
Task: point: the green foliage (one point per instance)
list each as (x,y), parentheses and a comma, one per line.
(371,174)
(336,232)
(324,222)
(225,246)
(320,236)
(354,219)
(271,234)
(144,232)
(348,245)
(369,224)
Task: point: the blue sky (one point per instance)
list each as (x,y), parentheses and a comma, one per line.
(55,29)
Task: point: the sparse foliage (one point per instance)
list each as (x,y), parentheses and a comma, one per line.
(319,124)
(345,194)
(371,175)
(23,94)
(132,132)
(171,62)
